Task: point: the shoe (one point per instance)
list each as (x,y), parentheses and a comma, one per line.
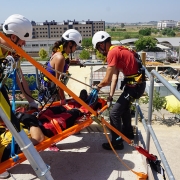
(4,175)
(115,146)
(54,148)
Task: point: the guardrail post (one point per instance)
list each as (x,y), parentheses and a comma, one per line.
(143,58)
(136,113)
(151,89)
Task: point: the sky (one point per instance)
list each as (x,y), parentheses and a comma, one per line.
(122,11)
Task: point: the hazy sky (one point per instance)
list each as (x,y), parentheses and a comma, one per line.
(126,11)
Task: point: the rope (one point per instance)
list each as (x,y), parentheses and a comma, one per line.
(139,174)
(64,74)
(7,48)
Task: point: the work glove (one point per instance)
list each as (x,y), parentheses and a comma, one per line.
(62,102)
(109,101)
(96,87)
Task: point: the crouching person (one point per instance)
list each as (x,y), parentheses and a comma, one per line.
(31,128)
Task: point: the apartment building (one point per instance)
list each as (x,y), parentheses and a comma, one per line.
(166,24)
(54,30)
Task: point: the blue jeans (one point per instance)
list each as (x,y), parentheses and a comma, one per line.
(121,111)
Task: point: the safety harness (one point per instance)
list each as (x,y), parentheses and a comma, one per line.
(47,87)
(133,80)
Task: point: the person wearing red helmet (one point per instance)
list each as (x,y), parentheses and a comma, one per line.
(120,59)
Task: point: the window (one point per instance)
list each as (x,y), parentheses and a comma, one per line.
(35,45)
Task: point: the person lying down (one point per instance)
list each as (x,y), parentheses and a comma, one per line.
(38,129)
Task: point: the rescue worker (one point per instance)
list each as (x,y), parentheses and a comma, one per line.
(122,59)
(59,61)
(18,29)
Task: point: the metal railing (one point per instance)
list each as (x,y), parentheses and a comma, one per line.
(147,125)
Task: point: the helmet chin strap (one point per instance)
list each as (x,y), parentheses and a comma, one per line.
(71,51)
(17,39)
(103,50)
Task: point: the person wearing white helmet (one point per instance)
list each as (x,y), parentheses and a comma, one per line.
(120,59)
(19,29)
(59,61)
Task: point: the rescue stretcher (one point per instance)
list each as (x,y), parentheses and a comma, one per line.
(92,115)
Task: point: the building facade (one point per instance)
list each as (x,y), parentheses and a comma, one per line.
(166,24)
(54,30)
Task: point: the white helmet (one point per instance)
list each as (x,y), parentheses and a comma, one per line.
(99,36)
(73,35)
(18,25)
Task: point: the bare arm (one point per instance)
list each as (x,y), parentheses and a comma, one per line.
(25,89)
(113,83)
(59,66)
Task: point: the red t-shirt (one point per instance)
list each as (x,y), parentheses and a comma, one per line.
(123,59)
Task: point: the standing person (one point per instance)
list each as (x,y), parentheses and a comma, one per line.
(18,29)
(59,61)
(119,59)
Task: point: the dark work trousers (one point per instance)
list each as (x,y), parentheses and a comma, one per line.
(121,112)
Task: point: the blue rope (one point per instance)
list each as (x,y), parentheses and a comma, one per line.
(14,91)
(14,156)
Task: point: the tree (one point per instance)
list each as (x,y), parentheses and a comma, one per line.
(158,101)
(145,44)
(43,53)
(87,42)
(168,32)
(122,25)
(100,56)
(145,32)
(84,54)
(113,29)
(154,30)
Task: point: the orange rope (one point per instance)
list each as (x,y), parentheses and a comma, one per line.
(139,174)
